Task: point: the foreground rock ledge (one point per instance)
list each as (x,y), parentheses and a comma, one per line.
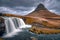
(2,26)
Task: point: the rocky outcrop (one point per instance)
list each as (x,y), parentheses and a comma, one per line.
(2,26)
(40,30)
(40,7)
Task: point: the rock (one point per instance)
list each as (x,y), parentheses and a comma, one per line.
(40,7)
(1,14)
(39,30)
(2,26)
(34,38)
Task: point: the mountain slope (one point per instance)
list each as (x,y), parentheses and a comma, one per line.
(41,11)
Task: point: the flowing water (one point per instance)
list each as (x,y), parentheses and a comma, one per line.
(22,24)
(9,25)
(11,29)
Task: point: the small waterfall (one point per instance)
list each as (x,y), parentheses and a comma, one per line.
(6,23)
(22,24)
(14,25)
(10,25)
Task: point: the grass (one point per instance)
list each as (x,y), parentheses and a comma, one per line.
(39,30)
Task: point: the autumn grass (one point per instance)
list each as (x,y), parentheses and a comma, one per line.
(51,24)
(39,30)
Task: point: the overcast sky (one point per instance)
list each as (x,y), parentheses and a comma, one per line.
(24,7)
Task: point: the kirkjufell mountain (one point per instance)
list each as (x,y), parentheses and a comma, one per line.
(41,11)
(40,7)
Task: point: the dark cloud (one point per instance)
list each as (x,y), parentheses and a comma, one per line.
(19,2)
(26,6)
(21,7)
(53,6)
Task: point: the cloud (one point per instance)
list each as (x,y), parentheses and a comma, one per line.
(53,6)
(21,7)
(17,10)
(24,7)
(26,3)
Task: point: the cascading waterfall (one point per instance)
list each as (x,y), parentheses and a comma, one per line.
(7,30)
(22,24)
(11,24)
(10,28)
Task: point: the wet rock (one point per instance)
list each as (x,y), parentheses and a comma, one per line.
(2,26)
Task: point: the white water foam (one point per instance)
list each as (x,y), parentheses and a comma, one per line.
(11,30)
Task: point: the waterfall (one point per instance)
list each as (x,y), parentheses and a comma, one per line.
(22,24)
(14,25)
(9,25)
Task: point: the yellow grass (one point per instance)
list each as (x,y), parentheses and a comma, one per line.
(39,30)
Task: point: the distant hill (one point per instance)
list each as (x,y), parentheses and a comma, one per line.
(41,11)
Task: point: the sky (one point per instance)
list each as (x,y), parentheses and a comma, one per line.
(24,7)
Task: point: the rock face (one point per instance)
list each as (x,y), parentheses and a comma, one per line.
(40,7)
(1,14)
(2,26)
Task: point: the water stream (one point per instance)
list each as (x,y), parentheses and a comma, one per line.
(14,25)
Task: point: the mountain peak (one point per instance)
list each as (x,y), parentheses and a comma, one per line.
(41,11)
(40,7)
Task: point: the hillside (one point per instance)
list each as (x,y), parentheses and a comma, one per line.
(47,19)
(41,11)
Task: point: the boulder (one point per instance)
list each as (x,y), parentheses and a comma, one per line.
(2,26)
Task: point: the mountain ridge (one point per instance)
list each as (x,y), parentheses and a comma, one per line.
(41,11)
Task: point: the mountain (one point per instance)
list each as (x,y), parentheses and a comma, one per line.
(40,7)
(46,18)
(41,11)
